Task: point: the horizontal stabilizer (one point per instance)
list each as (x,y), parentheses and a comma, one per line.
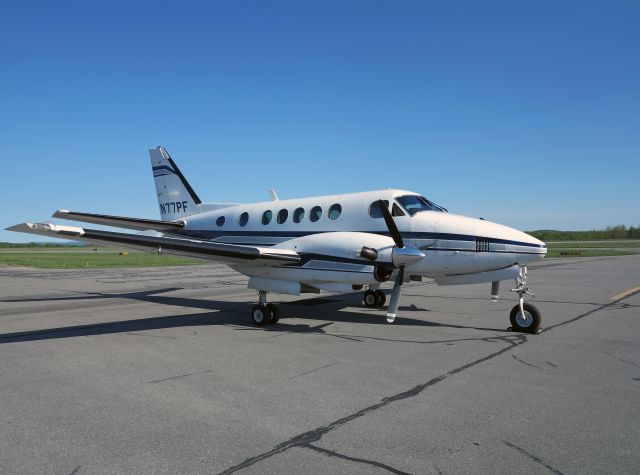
(170,245)
(119,221)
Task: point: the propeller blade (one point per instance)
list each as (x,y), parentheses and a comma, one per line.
(391,224)
(394,303)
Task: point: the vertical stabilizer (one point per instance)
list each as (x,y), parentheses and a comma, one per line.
(176,198)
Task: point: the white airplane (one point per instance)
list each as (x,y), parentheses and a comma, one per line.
(338,243)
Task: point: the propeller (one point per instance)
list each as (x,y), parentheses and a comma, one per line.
(401,255)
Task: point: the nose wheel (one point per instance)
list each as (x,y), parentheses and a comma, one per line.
(524,317)
(264,313)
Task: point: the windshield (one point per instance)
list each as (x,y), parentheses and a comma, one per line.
(414,204)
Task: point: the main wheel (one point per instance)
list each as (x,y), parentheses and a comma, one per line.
(370,300)
(529,322)
(272,311)
(381,297)
(259,315)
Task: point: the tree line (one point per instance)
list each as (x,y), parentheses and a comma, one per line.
(610,232)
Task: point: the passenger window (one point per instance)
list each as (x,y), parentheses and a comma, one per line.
(266,217)
(243,219)
(374,209)
(315,214)
(298,215)
(334,212)
(396,211)
(220,221)
(283,214)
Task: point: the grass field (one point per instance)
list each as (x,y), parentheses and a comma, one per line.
(592,248)
(77,258)
(595,244)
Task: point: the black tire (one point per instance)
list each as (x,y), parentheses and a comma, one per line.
(272,310)
(381,298)
(259,315)
(370,299)
(529,324)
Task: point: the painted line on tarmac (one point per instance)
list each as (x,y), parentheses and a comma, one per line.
(626,293)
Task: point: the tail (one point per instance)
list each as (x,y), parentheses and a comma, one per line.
(176,198)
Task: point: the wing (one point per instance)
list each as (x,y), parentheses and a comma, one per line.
(228,253)
(120,221)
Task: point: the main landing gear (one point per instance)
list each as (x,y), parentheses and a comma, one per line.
(264,313)
(374,298)
(524,317)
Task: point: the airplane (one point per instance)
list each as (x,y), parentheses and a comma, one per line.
(338,243)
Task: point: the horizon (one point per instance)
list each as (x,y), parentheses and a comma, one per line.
(524,114)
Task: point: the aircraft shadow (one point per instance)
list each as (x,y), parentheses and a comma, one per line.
(222,313)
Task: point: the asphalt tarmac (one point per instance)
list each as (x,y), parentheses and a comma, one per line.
(159,370)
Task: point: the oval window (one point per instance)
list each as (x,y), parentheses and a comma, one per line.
(315,214)
(283,214)
(334,212)
(374,209)
(266,217)
(243,219)
(220,221)
(298,215)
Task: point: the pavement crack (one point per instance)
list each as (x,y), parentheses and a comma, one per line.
(550,364)
(586,314)
(623,360)
(153,336)
(75,470)
(533,457)
(313,370)
(524,362)
(331,453)
(177,377)
(316,434)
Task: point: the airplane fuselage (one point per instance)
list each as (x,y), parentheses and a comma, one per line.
(454,245)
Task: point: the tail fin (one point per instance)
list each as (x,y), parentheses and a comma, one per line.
(175,195)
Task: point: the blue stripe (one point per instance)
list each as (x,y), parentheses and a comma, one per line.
(208,234)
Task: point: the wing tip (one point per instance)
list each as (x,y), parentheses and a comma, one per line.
(60,213)
(20,228)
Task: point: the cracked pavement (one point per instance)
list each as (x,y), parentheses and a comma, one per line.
(159,370)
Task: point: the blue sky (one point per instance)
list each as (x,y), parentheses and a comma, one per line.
(525,113)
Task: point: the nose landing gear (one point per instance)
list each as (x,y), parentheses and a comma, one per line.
(524,317)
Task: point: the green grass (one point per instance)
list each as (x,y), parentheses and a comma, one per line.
(593,244)
(98,260)
(587,253)
(592,248)
(39,245)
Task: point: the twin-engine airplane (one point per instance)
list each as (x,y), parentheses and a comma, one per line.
(338,243)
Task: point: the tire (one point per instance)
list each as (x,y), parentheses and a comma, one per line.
(529,324)
(272,311)
(259,315)
(381,298)
(370,300)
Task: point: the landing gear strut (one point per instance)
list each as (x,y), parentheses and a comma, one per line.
(524,317)
(264,313)
(374,298)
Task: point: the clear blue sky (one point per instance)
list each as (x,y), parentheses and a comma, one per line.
(525,113)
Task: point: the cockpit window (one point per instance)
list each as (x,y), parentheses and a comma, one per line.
(414,204)
(396,211)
